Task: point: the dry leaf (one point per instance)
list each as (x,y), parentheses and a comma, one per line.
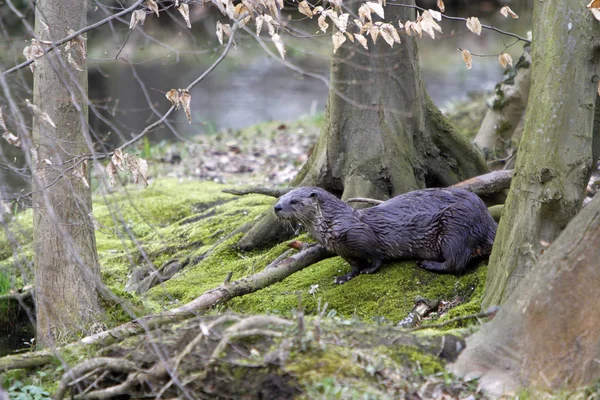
(598,88)
(323,25)
(304,8)
(374,32)
(220,32)
(408,27)
(336,3)
(151,4)
(417,28)
(594,4)
(594,7)
(244,21)
(80,172)
(387,36)
(259,24)
(118,160)
(376,8)
(239,9)
(428,24)
(349,36)
(185,99)
(33,52)
(505,59)
(595,12)
(317,10)
(362,40)
(38,113)
(342,22)
(474,25)
(279,45)
(506,11)
(138,168)
(441,6)
(173,96)
(270,23)
(436,15)
(111,171)
(338,39)
(467,58)
(400,25)
(184,10)
(364,13)
(138,16)
(7,135)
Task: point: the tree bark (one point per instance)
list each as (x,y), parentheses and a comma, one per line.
(559,147)
(66,266)
(546,334)
(382,135)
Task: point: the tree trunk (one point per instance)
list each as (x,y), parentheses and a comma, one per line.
(382,134)
(558,149)
(502,126)
(546,334)
(66,266)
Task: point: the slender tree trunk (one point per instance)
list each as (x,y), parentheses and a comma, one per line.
(546,334)
(66,266)
(557,151)
(382,134)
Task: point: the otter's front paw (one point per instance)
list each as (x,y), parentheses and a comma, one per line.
(340,280)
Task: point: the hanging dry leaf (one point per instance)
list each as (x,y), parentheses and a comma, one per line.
(118,160)
(598,88)
(323,25)
(270,23)
(436,15)
(408,27)
(239,9)
(7,135)
(506,11)
(400,25)
(362,40)
(364,13)
(441,6)
(417,28)
(185,99)
(376,8)
(173,96)
(594,7)
(386,35)
(279,45)
(151,4)
(467,58)
(349,36)
(220,32)
(304,8)
(317,10)
(111,171)
(373,31)
(138,16)
(338,39)
(80,172)
(505,59)
(138,168)
(474,25)
(38,113)
(244,21)
(33,52)
(336,3)
(428,25)
(184,10)
(259,23)
(342,22)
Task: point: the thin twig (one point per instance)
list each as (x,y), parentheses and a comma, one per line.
(485,314)
(66,39)
(493,28)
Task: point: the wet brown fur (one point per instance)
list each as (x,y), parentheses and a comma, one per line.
(444,228)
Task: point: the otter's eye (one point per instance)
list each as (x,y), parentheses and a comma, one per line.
(294,201)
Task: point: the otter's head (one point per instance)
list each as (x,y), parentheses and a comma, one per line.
(299,205)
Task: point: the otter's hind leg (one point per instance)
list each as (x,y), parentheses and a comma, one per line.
(375,265)
(455,260)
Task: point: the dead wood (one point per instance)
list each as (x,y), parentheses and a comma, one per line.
(259,190)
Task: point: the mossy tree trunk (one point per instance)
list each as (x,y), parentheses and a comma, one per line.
(546,335)
(558,149)
(382,134)
(66,266)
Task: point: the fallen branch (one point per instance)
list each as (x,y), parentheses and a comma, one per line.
(219,295)
(487,184)
(485,314)
(259,190)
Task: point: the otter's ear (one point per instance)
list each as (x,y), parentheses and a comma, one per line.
(314,195)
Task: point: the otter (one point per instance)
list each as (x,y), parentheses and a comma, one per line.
(443,228)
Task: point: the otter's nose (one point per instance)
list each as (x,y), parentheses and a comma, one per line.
(277,208)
